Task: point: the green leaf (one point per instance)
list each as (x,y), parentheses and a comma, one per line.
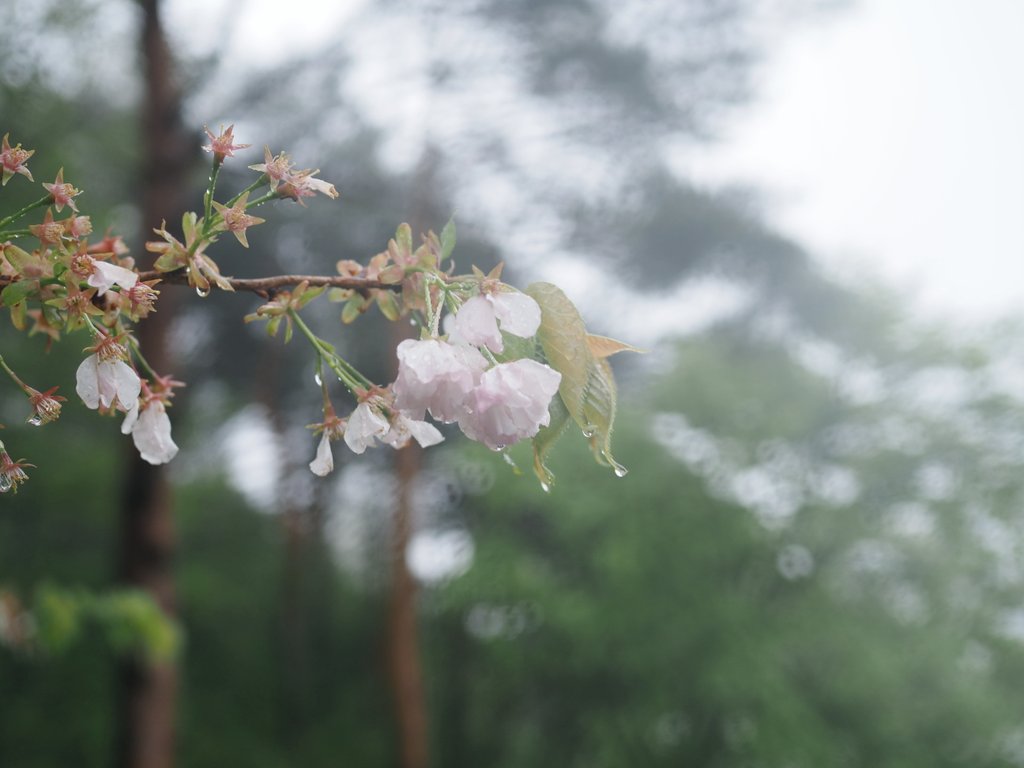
(388,305)
(599,406)
(16,292)
(447,239)
(353,308)
(545,440)
(516,348)
(403,237)
(563,338)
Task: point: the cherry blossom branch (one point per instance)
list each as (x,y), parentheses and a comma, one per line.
(264,286)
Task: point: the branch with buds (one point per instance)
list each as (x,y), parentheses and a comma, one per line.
(514,365)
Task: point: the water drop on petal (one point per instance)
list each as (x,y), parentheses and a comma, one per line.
(620,471)
(5,483)
(35,420)
(317,379)
(201,293)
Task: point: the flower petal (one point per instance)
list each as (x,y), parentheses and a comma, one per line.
(323,464)
(518,313)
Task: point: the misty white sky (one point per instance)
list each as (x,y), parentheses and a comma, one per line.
(887,137)
(890,139)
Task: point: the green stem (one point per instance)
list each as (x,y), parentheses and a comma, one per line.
(263,179)
(261,200)
(138,354)
(213,185)
(349,376)
(13,375)
(41,202)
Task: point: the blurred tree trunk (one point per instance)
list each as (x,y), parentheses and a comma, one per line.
(148,692)
(403,641)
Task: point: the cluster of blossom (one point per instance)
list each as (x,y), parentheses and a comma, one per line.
(468,376)
(67,283)
(456,380)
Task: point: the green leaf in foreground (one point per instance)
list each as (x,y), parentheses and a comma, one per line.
(546,438)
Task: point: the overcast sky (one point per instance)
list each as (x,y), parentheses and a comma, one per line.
(890,139)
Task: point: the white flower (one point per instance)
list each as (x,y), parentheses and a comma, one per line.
(367,423)
(107,383)
(323,464)
(105,275)
(151,432)
(436,376)
(364,425)
(403,428)
(477,321)
(510,403)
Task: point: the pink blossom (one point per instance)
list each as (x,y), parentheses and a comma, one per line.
(222,146)
(12,473)
(62,193)
(477,321)
(276,168)
(13,159)
(104,381)
(106,275)
(436,376)
(236,220)
(150,428)
(510,403)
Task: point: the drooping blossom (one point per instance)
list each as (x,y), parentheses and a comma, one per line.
(236,220)
(12,473)
(478,320)
(150,428)
(45,406)
(62,193)
(223,146)
(436,376)
(331,428)
(300,184)
(368,423)
(140,298)
(510,403)
(13,159)
(104,380)
(105,276)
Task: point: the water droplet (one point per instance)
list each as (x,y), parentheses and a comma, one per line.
(620,471)
(588,430)
(546,487)
(202,294)
(412,321)
(35,420)
(5,483)
(317,379)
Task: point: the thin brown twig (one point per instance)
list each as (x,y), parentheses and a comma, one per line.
(266,285)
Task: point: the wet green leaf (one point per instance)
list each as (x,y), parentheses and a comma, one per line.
(563,338)
(546,438)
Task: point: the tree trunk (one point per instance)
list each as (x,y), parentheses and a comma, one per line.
(403,645)
(148,692)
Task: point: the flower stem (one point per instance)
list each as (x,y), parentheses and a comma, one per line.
(349,376)
(213,185)
(263,179)
(261,200)
(134,345)
(6,234)
(43,201)
(13,375)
